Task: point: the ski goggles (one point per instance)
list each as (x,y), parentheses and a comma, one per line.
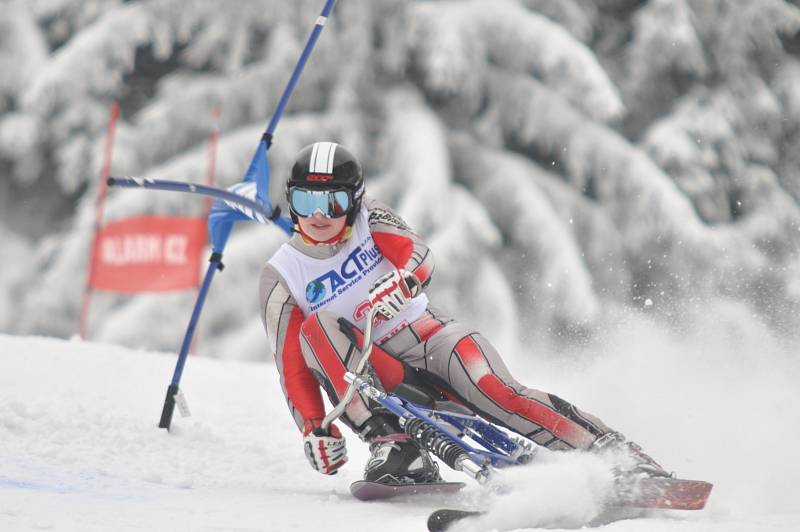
(331,203)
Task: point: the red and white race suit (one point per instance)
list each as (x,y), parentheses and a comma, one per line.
(306,289)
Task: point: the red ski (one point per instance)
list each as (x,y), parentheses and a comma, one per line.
(666,493)
(369,491)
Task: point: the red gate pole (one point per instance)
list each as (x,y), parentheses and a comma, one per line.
(212,155)
(98,218)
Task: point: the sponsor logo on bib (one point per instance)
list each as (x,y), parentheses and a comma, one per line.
(328,286)
(315,292)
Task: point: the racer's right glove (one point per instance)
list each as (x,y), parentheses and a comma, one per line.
(326,451)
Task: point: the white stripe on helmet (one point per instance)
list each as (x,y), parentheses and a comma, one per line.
(322,155)
(313,158)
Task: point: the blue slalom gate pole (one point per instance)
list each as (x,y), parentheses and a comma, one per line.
(173,391)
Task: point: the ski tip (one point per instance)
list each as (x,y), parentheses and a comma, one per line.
(670,494)
(442,520)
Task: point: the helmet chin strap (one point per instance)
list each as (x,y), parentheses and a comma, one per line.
(340,237)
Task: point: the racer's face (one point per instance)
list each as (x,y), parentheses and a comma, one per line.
(320,227)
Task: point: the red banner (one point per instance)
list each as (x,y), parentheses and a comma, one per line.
(149,254)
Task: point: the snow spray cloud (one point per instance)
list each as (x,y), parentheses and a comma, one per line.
(560,490)
(717,401)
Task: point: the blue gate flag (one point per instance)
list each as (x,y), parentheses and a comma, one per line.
(254,187)
(258,173)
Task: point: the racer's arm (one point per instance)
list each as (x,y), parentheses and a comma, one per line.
(282,319)
(398,242)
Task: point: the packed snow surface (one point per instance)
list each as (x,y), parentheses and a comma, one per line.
(81,452)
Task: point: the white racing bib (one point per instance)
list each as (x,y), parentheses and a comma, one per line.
(340,284)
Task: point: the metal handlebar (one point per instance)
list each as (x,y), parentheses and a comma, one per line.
(339,409)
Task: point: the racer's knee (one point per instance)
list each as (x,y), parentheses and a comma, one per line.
(322,342)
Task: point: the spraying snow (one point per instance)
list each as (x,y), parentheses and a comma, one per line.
(560,491)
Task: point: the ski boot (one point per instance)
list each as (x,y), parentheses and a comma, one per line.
(637,463)
(394,458)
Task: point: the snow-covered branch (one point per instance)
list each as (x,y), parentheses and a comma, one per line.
(457,41)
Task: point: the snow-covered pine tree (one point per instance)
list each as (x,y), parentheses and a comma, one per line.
(573,156)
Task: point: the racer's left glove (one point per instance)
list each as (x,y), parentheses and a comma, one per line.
(392,292)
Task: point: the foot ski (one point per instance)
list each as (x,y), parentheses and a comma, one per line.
(661,493)
(441,520)
(666,493)
(369,491)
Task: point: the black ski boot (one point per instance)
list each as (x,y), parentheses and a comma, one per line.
(637,462)
(394,458)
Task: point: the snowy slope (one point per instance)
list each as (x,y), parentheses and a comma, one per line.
(80,451)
